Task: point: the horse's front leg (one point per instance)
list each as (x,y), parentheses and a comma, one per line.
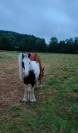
(32,95)
(25,97)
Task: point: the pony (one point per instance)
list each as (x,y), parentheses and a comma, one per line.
(29,72)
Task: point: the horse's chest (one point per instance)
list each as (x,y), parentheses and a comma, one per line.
(30,79)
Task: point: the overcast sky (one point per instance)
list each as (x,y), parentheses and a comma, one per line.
(42,18)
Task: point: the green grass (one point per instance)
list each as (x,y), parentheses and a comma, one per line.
(57,108)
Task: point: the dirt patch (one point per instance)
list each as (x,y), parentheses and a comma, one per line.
(11,89)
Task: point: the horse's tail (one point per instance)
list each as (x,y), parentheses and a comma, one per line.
(20,66)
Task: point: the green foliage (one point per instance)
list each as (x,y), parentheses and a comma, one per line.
(13,41)
(67,46)
(18,42)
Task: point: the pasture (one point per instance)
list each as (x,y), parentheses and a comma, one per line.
(56,110)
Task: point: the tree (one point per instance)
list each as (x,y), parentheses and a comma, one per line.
(53,45)
(40,45)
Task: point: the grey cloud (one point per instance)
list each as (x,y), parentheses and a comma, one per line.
(43,18)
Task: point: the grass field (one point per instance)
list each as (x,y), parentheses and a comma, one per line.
(56,110)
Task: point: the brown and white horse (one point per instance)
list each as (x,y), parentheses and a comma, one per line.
(30,72)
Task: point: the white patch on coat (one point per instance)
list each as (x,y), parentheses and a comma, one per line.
(35,67)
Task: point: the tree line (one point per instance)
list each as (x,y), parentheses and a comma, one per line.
(13,41)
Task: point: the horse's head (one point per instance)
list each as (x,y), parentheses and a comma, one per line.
(26,64)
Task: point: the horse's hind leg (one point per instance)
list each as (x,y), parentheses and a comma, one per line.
(32,95)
